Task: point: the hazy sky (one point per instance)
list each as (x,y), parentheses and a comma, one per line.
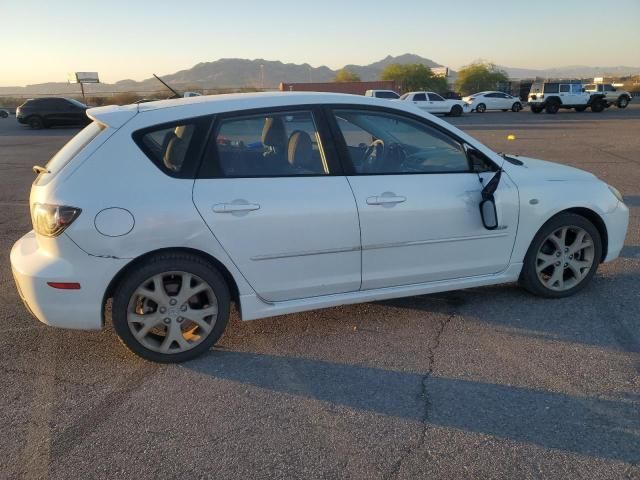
(43,40)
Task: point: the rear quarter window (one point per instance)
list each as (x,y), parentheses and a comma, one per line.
(176,147)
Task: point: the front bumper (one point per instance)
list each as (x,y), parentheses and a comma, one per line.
(34,266)
(617,222)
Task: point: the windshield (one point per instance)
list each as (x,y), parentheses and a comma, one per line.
(76,102)
(72,148)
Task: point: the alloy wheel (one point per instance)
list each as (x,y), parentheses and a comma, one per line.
(172,312)
(565,258)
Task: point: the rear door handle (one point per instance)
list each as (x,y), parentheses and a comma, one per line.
(235,207)
(385,199)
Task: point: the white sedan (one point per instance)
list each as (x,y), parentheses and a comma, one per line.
(285,202)
(434,103)
(483,101)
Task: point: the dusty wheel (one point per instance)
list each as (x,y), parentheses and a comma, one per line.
(171,308)
(623,102)
(481,108)
(552,107)
(456,111)
(35,122)
(563,256)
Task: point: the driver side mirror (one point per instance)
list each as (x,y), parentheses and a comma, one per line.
(489,214)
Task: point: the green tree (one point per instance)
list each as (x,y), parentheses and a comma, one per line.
(344,75)
(414,76)
(478,77)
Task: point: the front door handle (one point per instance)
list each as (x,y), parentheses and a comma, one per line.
(235,207)
(386,199)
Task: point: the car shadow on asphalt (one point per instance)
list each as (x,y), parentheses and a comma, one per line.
(604,314)
(588,426)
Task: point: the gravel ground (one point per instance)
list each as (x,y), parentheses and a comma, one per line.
(481,383)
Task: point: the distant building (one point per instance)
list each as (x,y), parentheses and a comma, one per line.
(355,88)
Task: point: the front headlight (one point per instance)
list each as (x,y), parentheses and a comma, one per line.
(616,193)
(52,220)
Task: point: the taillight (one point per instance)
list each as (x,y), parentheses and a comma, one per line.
(52,220)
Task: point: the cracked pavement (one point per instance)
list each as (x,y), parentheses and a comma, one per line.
(482,383)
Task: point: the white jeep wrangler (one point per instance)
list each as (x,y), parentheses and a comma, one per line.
(612,95)
(553,95)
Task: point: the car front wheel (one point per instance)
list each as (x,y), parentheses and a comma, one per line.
(171,308)
(516,107)
(456,111)
(623,102)
(563,257)
(481,108)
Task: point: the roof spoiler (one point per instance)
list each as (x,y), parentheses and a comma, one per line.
(113,116)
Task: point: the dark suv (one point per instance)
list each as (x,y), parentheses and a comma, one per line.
(49,112)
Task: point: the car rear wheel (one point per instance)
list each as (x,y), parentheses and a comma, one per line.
(35,122)
(481,108)
(563,257)
(516,107)
(623,102)
(456,111)
(171,308)
(552,107)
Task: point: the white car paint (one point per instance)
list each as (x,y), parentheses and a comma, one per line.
(492,100)
(432,102)
(313,242)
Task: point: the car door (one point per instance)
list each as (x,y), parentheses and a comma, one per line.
(438,104)
(271,191)
(504,101)
(418,200)
(421,100)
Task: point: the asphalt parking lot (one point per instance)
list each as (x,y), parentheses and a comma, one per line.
(482,383)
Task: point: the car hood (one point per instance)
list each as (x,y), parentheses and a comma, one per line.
(542,169)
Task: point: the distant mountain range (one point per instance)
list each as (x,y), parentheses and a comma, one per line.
(237,72)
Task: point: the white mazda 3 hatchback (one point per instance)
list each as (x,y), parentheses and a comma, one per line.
(284,202)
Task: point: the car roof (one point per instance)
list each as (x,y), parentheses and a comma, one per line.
(211,104)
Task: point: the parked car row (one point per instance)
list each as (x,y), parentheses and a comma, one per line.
(549,96)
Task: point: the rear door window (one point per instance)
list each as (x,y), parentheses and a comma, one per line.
(419,97)
(564,88)
(271,144)
(551,88)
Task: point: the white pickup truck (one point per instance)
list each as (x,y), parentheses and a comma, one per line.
(433,103)
(612,95)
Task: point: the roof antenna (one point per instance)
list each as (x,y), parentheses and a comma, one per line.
(175,94)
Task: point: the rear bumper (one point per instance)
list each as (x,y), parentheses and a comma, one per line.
(33,267)
(617,222)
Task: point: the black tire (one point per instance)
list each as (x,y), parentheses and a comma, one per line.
(456,111)
(580,109)
(597,105)
(158,264)
(536,108)
(552,107)
(481,108)
(529,277)
(623,102)
(35,122)
(516,107)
